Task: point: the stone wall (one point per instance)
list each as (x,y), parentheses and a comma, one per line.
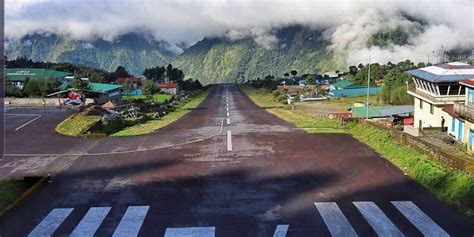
(453,161)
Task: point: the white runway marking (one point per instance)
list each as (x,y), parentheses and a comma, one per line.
(227,109)
(91,221)
(131,222)
(18,128)
(190,232)
(281,231)
(228,121)
(229,141)
(377,219)
(419,219)
(335,220)
(51,222)
(227,114)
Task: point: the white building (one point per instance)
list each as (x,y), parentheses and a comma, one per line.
(437,87)
(461,126)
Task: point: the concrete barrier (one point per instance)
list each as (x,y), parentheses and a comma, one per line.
(12,101)
(451,160)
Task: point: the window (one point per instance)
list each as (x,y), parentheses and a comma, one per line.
(421,104)
(431,109)
(453,124)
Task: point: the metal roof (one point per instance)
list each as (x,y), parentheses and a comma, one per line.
(449,72)
(382,111)
(101,87)
(21,74)
(345,84)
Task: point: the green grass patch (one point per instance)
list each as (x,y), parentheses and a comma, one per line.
(456,188)
(180,109)
(10,190)
(158,98)
(300,119)
(76,125)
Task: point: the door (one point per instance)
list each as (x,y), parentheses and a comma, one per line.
(460,130)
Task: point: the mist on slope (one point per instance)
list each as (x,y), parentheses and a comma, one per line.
(446,24)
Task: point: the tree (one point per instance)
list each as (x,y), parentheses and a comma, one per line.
(78,83)
(33,88)
(121,72)
(169,71)
(353,70)
(148,88)
(286,75)
(155,73)
(294,73)
(310,79)
(128,86)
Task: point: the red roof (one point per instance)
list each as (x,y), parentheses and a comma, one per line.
(130,79)
(469,82)
(450,110)
(168,85)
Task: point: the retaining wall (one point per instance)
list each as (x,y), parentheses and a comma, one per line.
(453,161)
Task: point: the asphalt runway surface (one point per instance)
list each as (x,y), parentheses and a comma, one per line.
(228,168)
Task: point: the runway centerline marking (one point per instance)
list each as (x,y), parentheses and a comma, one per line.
(18,128)
(228,121)
(229,140)
(227,114)
(51,222)
(419,219)
(131,222)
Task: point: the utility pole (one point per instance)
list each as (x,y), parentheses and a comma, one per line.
(368,90)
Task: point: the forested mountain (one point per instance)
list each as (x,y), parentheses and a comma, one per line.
(133,51)
(215,60)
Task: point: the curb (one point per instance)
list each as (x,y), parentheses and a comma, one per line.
(22,197)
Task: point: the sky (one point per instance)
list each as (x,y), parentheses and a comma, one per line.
(347,24)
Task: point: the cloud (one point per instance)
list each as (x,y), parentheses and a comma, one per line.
(348,23)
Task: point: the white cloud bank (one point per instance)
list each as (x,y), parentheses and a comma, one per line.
(349,23)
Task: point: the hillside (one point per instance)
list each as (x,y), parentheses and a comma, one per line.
(131,50)
(216,60)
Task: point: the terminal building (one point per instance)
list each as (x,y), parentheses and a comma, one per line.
(437,87)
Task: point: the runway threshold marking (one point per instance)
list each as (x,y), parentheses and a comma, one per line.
(91,222)
(51,222)
(419,219)
(131,222)
(229,140)
(191,232)
(281,231)
(377,219)
(18,128)
(335,220)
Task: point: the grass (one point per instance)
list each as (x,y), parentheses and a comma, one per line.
(455,188)
(182,108)
(298,118)
(157,98)
(76,125)
(10,190)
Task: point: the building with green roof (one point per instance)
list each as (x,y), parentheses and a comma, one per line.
(345,84)
(19,76)
(345,88)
